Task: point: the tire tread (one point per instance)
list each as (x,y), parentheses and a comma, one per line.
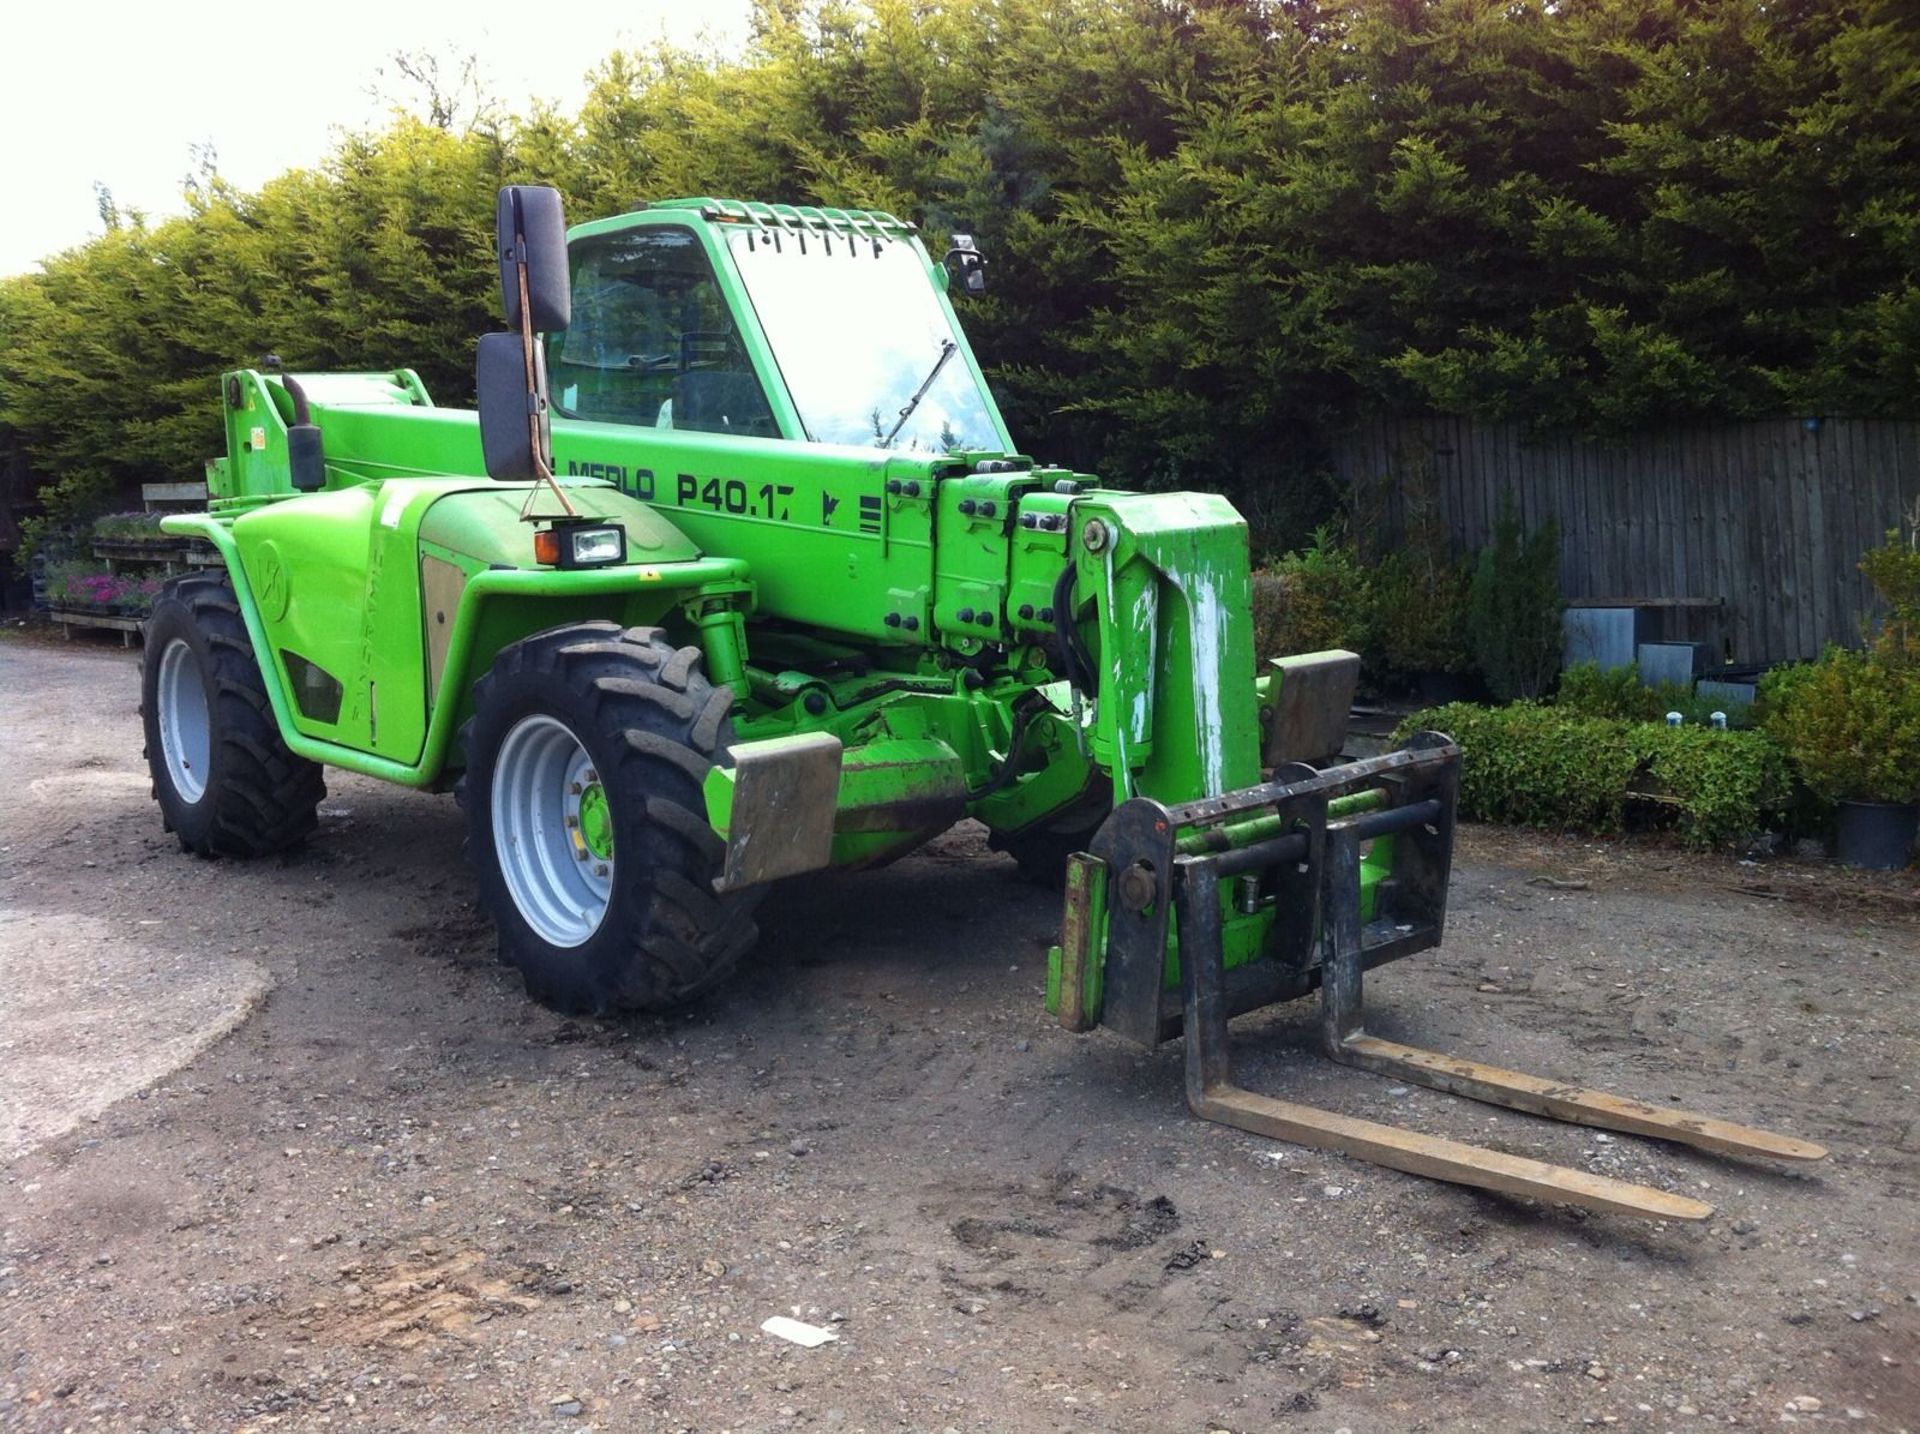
(667,726)
(266,799)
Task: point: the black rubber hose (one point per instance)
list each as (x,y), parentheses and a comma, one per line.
(1073,649)
(1010,768)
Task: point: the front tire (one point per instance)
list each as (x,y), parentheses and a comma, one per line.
(1042,854)
(1041,851)
(586,819)
(226,782)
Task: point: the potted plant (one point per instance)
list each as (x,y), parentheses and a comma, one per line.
(1312,600)
(130,533)
(77,587)
(1851,723)
(1420,623)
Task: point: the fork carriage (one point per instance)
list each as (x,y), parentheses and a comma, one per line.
(1353,861)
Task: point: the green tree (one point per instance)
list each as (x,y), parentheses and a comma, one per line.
(1218,231)
(1514,607)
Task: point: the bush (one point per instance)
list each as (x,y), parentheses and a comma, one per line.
(1514,606)
(1728,784)
(1534,765)
(1894,570)
(1419,603)
(1590,690)
(68,504)
(1269,608)
(1312,600)
(1851,721)
(1778,688)
(1851,724)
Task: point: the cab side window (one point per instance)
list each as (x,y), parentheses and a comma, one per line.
(652,342)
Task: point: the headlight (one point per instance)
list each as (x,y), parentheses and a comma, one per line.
(580,546)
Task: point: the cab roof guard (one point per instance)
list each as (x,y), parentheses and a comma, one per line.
(794,219)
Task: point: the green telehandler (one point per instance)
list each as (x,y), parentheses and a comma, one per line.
(736,574)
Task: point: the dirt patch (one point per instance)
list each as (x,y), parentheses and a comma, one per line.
(1652,864)
(423,1296)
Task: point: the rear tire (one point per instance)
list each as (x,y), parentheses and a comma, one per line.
(586,819)
(226,782)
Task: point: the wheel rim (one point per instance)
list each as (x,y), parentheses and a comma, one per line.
(552,831)
(186,738)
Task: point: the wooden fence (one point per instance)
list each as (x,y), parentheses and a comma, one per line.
(1764,521)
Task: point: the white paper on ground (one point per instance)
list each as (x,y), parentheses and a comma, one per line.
(809,1336)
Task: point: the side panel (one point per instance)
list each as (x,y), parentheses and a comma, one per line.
(337,579)
(485,524)
(379,443)
(828,544)
(338,575)
(838,538)
(306,562)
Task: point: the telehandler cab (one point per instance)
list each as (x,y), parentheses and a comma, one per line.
(737,574)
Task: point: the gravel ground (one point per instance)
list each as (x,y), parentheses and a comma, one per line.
(323,1165)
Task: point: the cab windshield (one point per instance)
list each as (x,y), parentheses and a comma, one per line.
(862,342)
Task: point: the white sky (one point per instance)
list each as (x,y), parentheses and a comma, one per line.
(117,90)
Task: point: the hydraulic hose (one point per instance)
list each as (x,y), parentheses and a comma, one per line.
(1073,648)
(1010,768)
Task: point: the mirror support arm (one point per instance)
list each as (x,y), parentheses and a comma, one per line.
(540,434)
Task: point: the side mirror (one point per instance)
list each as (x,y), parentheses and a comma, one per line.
(533,232)
(306,452)
(967,265)
(509,407)
(510,369)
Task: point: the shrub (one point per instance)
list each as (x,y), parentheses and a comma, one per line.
(68,503)
(1419,603)
(1851,724)
(1894,570)
(1594,691)
(1514,606)
(1590,690)
(1851,721)
(1312,600)
(1535,765)
(1727,784)
(1269,603)
(1777,688)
